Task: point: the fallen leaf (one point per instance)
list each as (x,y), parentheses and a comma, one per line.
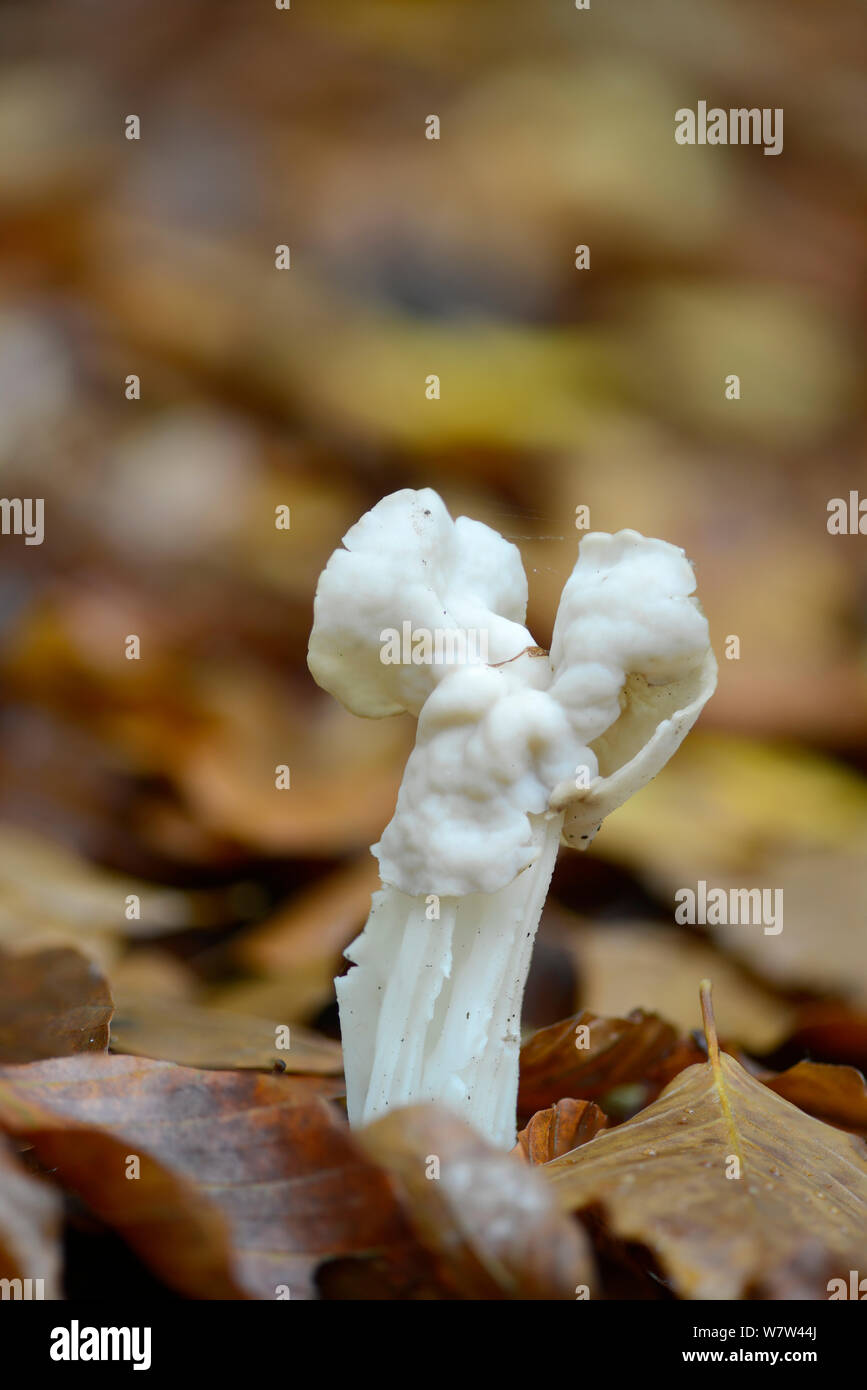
(297,996)
(155,973)
(820,942)
(832,1032)
(559,1129)
(487,1221)
(298,950)
(52,1003)
(685,331)
(624,964)
(837,1095)
(745,799)
(317,922)
(31,1214)
(618,1051)
(199,1037)
(247,1182)
(342,787)
(660,1179)
(51,896)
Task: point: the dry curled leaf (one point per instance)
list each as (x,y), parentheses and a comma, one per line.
(200,1037)
(247,1183)
(666,1179)
(837,1095)
(559,1129)
(487,1221)
(585,1056)
(832,1031)
(52,1003)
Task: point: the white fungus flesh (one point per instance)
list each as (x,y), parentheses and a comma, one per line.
(514,749)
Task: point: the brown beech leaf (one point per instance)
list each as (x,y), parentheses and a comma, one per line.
(317,922)
(51,895)
(152,972)
(559,1129)
(246,1183)
(660,1179)
(30,1222)
(625,964)
(488,1222)
(52,1003)
(833,1031)
(200,1037)
(640,1047)
(295,997)
(298,949)
(837,1095)
(342,786)
(746,798)
(831,961)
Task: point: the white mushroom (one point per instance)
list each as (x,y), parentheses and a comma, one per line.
(512,751)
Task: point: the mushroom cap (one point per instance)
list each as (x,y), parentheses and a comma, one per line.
(627,607)
(502,734)
(491,744)
(629,670)
(407,561)
(629,602)
(654,721)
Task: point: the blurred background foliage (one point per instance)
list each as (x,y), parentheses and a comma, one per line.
(560,388)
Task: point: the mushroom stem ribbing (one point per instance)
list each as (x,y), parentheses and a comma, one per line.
(432,1008)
